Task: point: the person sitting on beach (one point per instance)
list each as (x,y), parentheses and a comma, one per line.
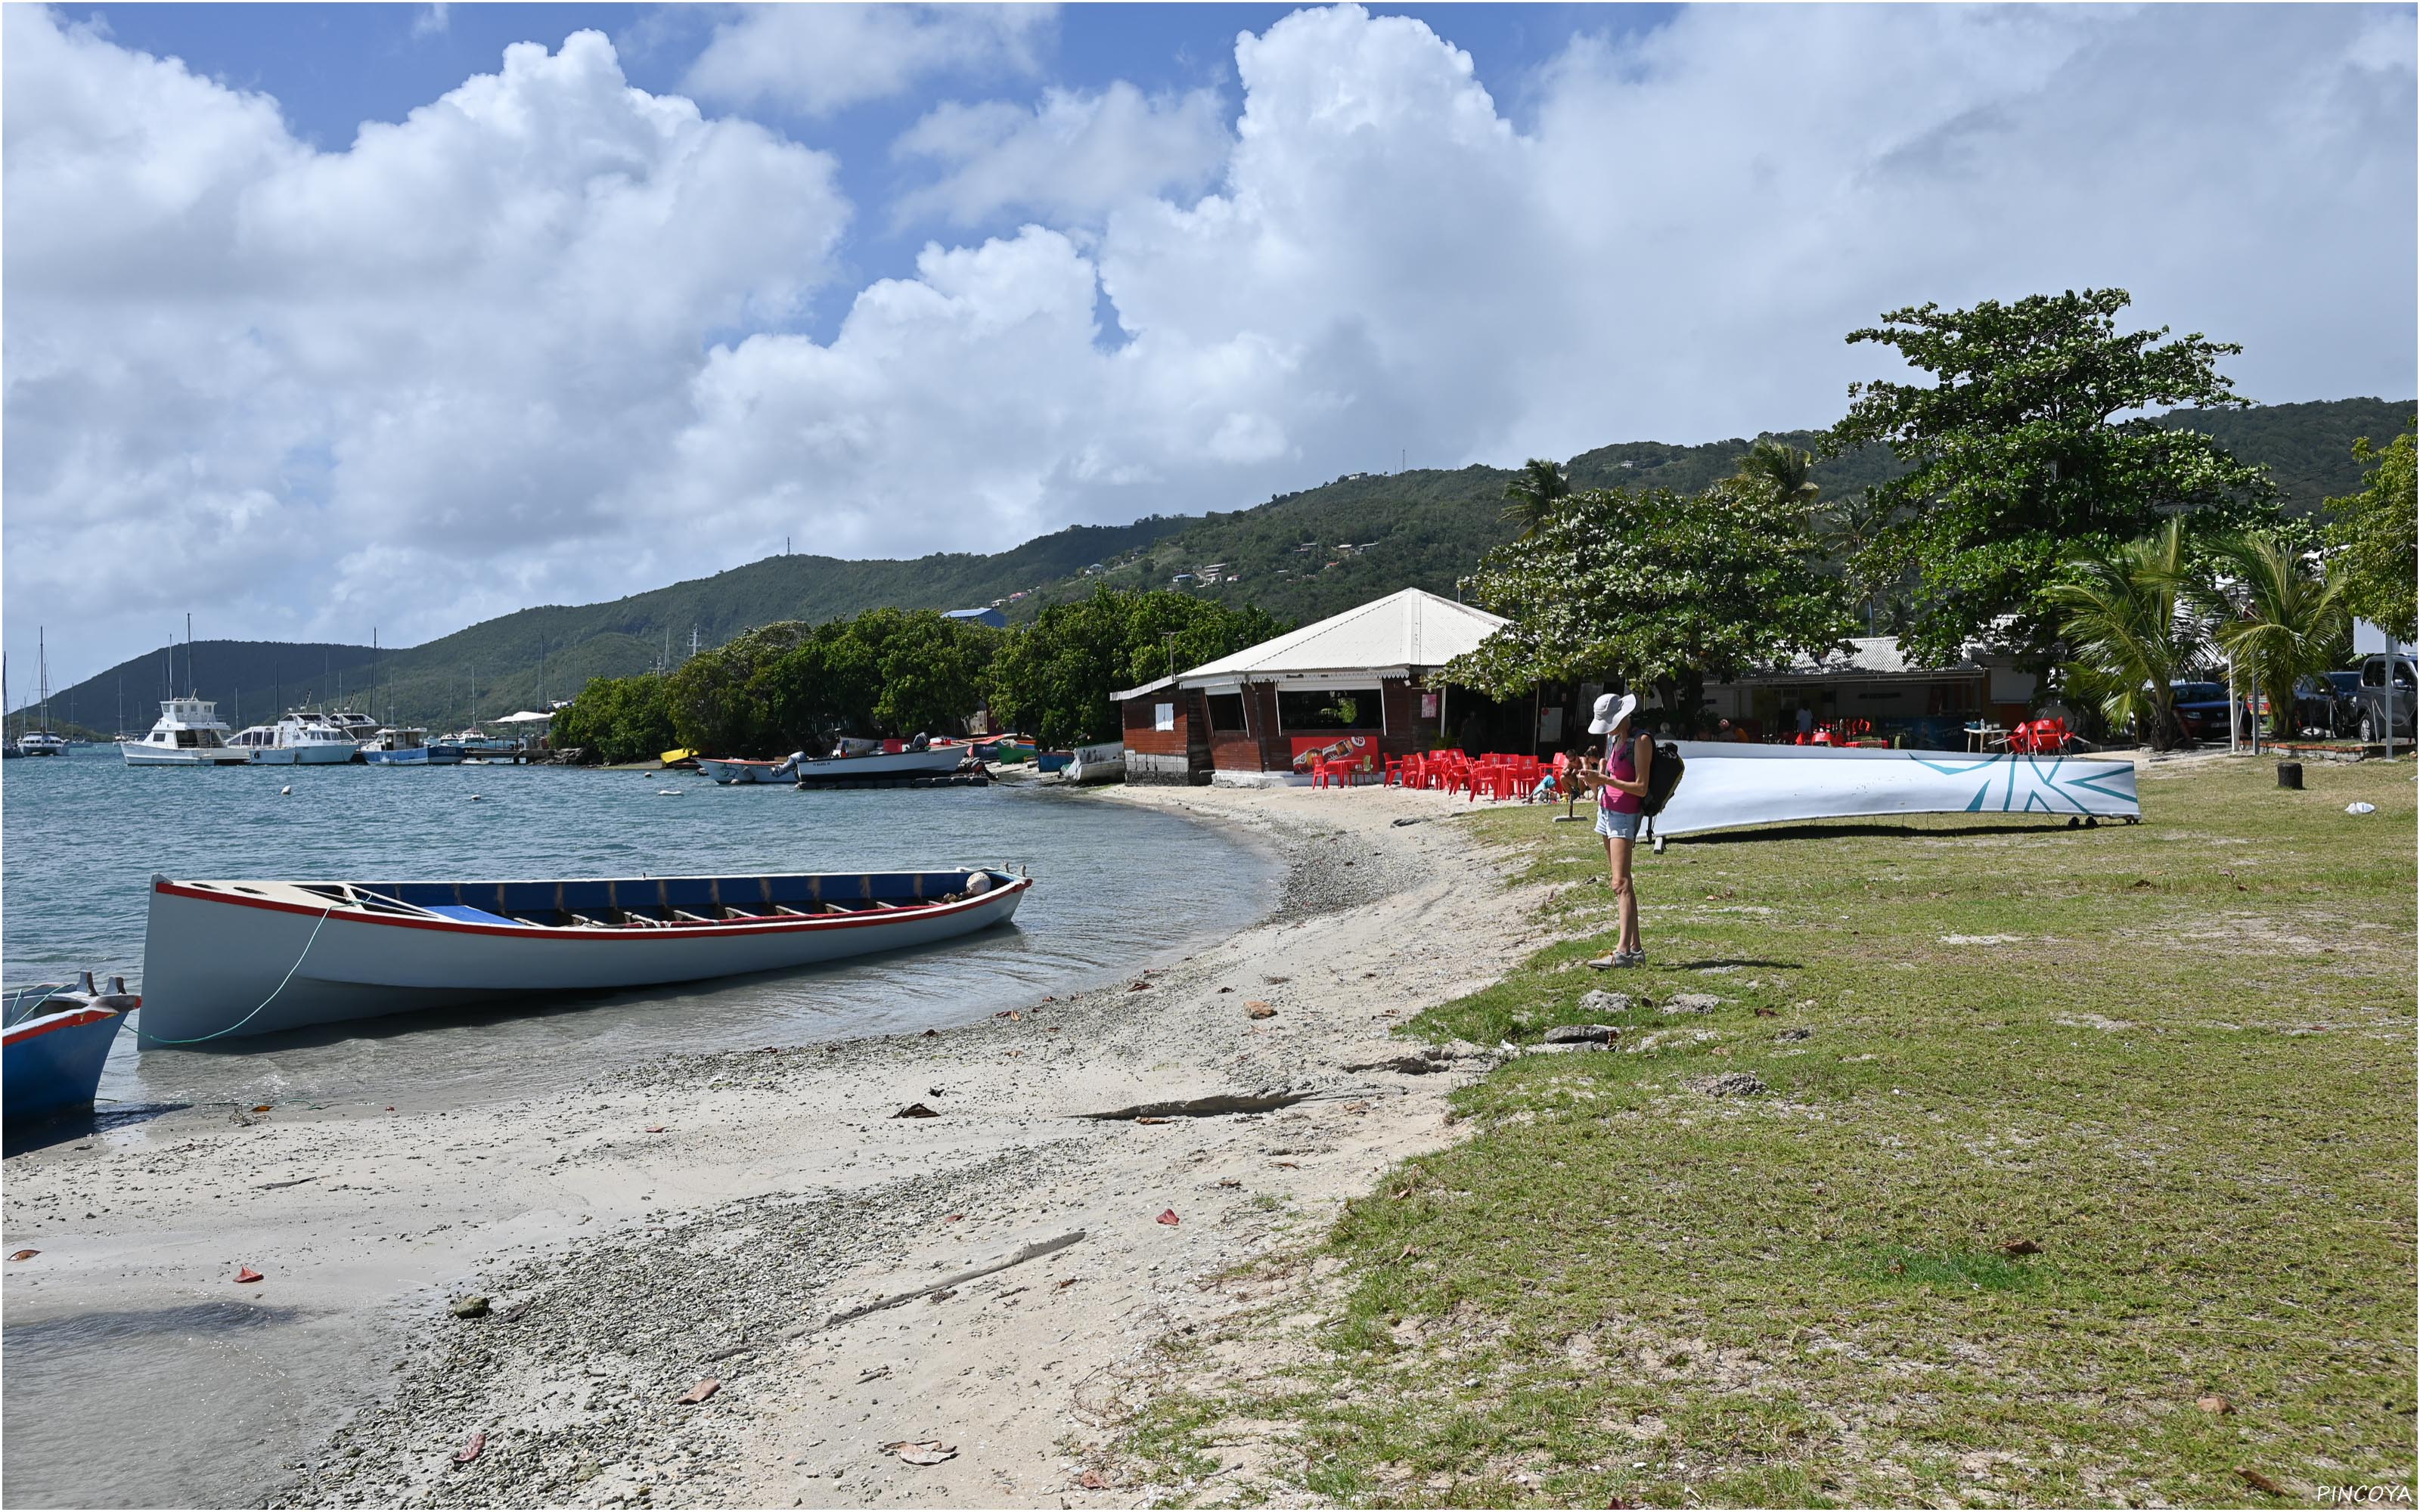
(1628,757)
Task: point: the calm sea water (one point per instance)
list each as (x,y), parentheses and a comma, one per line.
(84,834)
(227,1392)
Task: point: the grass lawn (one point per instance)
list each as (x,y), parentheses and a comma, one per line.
(2177,1058)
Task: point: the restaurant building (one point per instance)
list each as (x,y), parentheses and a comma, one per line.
(1359,688)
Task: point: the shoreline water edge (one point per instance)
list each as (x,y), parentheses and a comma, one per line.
(667,1255)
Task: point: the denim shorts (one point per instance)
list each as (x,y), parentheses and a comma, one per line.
(1615,825)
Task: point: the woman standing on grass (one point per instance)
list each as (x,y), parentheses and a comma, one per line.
(1627,758)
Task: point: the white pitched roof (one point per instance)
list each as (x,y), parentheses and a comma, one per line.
(1408,629)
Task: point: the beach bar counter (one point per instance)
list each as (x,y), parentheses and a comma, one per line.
(1357,688)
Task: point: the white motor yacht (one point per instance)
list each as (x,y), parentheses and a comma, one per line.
(299,739)
(188,733)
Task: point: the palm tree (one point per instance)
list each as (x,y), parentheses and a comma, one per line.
(2133,626)
(1785,470)
(1534,492)
(2280,616)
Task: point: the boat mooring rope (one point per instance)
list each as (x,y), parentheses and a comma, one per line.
(159,1038)
(17,998)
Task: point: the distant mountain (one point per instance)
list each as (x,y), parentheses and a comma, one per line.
(1301,556)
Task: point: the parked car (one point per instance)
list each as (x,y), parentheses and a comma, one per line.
(2202,708)
(2329,705)
(2375,693)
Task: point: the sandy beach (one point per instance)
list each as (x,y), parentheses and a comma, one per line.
(705,1218)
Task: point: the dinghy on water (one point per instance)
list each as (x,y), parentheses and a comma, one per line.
(730,769)
(230,960)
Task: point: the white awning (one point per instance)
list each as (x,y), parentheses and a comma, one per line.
(1402,634)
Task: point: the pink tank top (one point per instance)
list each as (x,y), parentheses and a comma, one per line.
(1613,799)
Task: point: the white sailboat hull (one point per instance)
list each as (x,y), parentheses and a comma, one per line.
(220,964)
(1729,785)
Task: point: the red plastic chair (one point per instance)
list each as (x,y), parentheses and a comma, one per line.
(1319,778)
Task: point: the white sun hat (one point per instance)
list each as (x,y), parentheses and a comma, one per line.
(1611,709)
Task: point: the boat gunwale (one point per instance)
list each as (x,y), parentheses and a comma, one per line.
(67,1018)
(356,914)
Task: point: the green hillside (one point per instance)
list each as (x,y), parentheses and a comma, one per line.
(1301,556)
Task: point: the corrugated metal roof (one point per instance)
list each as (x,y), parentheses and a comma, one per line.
(1160,685)
(1410,628)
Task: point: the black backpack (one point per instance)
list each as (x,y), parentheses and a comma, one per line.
(1663,774)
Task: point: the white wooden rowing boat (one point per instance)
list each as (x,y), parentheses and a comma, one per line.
(230,960)
(938,761)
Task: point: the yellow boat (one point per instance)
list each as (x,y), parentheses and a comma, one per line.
(680,756)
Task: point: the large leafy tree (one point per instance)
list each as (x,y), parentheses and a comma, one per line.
(2133,625)
(787,685)
(616,720)
(2377,534)
(1657,588)
(1054,679)
(2033,439)
(1533,494)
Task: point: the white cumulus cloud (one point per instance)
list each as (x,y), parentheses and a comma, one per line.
(819,58)
(305,392)
(539,341)
(1070,159)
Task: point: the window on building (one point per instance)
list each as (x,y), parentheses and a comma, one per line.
(1227,711)
(1355,708)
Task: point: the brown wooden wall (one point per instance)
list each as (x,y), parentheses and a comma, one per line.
(1155,755)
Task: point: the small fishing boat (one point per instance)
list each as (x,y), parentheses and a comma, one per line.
(188,734)
(736,769)
(935,761)
(56,1044)
(1053,760)
(230,960)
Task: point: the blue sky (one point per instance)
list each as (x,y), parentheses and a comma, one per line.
(606,297)
(331,67)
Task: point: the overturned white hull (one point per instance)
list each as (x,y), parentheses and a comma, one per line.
(230,960)
(1729,785)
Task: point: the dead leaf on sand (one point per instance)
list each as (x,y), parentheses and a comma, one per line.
(472,1450)
(915,1110)
(701,1390)
(25,1255)
(1259,1010)
(1168,1216)
(656,1128)
(1155,1121)
(1093,1480)
(1138,986)
(245,1273)
(262,1107)
(1230,1182)
(928,1452)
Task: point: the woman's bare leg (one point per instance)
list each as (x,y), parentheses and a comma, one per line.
(1618,859)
